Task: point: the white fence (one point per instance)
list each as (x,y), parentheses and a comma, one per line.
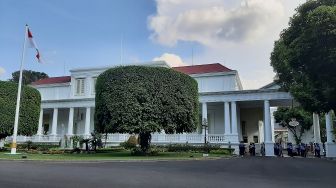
(156,138)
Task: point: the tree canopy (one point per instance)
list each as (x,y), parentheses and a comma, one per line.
(304,57)
(284,115)
(29,109)
(28,76)
(142,100)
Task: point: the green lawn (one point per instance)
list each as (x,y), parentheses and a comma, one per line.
(111,155)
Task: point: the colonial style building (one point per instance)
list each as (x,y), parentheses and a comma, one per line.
(233,114)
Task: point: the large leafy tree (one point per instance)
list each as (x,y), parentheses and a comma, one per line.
(29,109)
(304,57)
(142,100)
(284,116)
(28,76)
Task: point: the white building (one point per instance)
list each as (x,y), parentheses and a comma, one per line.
(233,114)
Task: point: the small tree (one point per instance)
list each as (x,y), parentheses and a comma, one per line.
(284,116)
(141,100)
(28,76)
(29,109)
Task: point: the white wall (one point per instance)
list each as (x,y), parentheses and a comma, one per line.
(216,83)
(216,118)
(55,92)
(251,116)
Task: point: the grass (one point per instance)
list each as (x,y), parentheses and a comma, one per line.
(107,156)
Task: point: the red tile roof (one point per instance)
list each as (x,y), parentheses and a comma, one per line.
(194,69)
(200,69)
(53,80)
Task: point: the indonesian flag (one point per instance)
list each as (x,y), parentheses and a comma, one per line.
(32,44)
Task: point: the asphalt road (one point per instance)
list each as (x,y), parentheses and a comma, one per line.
(238,172)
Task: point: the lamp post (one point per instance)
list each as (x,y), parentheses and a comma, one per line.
(293,122)
(205,126)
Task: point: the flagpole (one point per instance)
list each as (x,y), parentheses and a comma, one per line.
(17,110)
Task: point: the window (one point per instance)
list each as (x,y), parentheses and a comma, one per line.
(80,86)
(94,81)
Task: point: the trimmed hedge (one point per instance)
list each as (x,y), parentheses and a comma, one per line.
(198,148)
(29,109)
(141,100)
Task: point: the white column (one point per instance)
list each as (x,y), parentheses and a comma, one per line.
(316,125)
(54,122)
(87,121)
(329,127)
(269,145)
(204,115)
(39,129)
(227,130)
(234,132)
(330,144)
(234,118)
(70,122)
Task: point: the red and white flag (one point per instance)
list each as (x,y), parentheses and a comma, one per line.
(32,44)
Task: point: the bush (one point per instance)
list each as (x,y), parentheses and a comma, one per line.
(139,152)
(29,109)
(198,148)
(34,146)
(131,143)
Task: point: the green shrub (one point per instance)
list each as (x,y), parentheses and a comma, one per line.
(29,109)
(193,148)
(139,152)
(131,143)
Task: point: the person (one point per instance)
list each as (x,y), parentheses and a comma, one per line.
(302,149)
(252,149)
(262,149)
(241,148)
(280,150)
(276,149)
(317,150)
(290,149)
(298,150)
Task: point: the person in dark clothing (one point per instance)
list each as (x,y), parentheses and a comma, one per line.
(276,149)
(302,150)
(298,150)
(252,149)
(290,149)
(241,149)
(317,150)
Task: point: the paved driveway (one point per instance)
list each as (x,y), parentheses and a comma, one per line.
(238,172)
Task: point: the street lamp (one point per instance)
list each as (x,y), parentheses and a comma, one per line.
(205,127)
(293,122)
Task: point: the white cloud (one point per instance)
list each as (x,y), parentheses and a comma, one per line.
(172,59)
(2,71)
(213,22)
(238,34)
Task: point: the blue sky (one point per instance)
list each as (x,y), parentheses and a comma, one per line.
(86,33)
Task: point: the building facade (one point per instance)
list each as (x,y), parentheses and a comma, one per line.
(233,114)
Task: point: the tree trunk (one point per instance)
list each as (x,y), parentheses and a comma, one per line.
(145,138)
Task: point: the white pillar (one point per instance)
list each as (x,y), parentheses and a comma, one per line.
(234,132)
(227,130)
(269,145)
(329,127)
(330,144)
(234,118)
(204,115)
(39,129)
(316,125)
(54,122)
(70,122)
(87,121)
